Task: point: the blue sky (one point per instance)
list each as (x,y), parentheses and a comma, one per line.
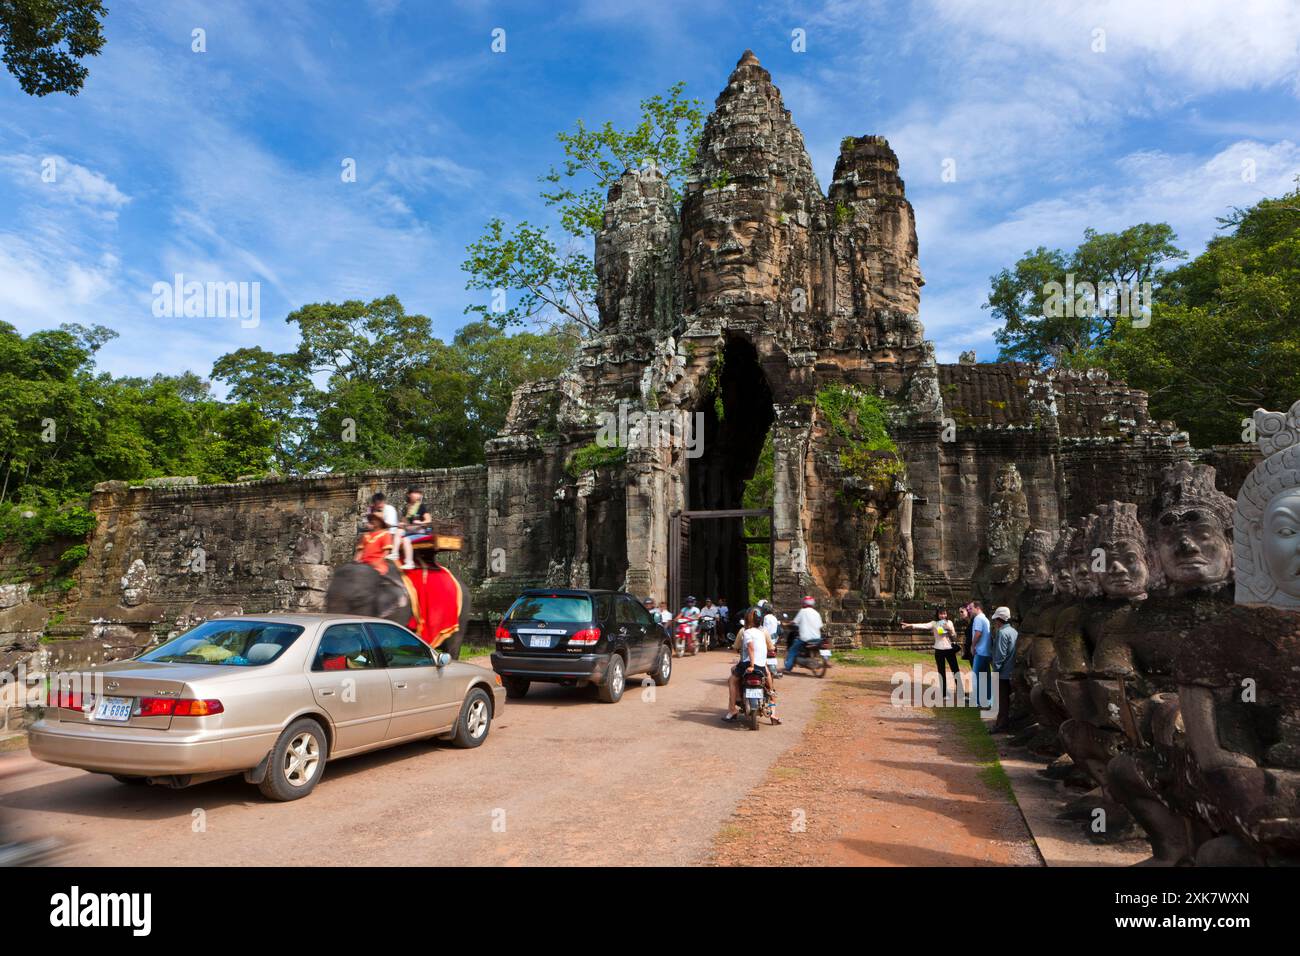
(225,165)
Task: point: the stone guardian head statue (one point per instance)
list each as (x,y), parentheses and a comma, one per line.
(1266,531)
(1062,579)
(1036,560)
(1191,523)
(1118,554)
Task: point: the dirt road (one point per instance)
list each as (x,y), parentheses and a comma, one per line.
(561,780)
(871,784)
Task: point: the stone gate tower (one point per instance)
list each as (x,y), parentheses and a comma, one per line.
(744,309)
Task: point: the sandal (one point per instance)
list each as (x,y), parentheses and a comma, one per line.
(729,718)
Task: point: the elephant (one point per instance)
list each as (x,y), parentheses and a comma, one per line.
(357,588)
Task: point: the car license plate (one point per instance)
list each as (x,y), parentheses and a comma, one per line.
(754,693)
(113,708)
(539,640)
(826,653)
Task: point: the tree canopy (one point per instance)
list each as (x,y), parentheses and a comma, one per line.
(45,41)
(534,277)
(1057,308)
(1222,337)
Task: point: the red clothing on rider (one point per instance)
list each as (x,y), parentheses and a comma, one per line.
(375,547)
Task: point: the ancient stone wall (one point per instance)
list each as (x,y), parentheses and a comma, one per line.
(165,557)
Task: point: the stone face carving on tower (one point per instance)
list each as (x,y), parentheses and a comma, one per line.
(748,213)
(1266,537)
(635,255)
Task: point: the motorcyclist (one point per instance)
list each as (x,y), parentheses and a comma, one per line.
(809,623)
(756,650)
(772,625)
(690,616)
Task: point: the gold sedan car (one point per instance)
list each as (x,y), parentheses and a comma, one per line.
(273,697)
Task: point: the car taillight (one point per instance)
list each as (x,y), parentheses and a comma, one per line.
(585,638)
(155,707)
(503,636)
(62,697)
(198,708)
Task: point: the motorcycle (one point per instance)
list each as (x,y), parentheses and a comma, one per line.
(755,701)
(684,638)
(708,637)
(814,655)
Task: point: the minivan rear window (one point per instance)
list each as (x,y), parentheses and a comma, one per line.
(551,608)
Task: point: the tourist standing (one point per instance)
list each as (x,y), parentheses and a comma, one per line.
(981,635)
(945,651)
(1004,662)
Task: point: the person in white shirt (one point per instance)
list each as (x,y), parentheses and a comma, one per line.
(809,623)
(756,647)
(379,504)
(945,651)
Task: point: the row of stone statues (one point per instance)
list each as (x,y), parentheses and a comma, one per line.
(1175,695)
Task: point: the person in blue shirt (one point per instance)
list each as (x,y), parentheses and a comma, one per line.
(981,638)
(1004,662)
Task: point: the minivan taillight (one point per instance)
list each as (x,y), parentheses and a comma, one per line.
(503,636)
(585,638)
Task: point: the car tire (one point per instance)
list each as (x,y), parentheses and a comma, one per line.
(131,781)
(475,719)
(663,671)
(610,690)
(516,687)
(297,761)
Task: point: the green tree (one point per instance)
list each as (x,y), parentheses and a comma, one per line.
(369,386)
(547,281)
(1224,337)
(45,41)
(1051,317)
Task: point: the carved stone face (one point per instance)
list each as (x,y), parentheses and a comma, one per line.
(1035,571)
(1126,573)
(1281,541)
(736,251)
(1082,583)
(1063,580)
(1193,549)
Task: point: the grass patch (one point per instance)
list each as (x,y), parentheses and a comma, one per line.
(966,725)
(473,650)
(883,657)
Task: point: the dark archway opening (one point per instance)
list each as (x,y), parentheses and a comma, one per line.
(736,404)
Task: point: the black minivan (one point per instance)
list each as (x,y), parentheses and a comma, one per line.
(576,636)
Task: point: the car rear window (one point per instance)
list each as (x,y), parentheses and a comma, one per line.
(232,641)
(552,608)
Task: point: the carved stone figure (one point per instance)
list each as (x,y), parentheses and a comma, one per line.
(135,583)
(1228,791)
(1267,539)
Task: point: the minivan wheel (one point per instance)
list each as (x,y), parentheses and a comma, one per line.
(611,689)
(297,761)
(663,667)
(516,687)
(475,719)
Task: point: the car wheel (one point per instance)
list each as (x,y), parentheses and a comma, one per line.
(611,690)
(475,718)
(297,762)
(664,667)
(130,781)
(516,687)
